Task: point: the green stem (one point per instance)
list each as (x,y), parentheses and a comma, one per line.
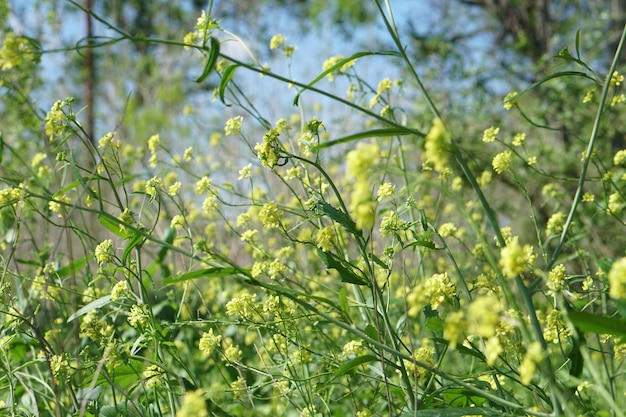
(589,152)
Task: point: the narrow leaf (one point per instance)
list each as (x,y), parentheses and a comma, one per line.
(392,131)
(202,273)
(99,303)
(338,65)
(353,363)
(455,412)
(72,267)
(214,53)
(340,217)
(593,323)
(425,243)
(136,240)
(226,77)
(112,226)
(343,301)
(344,268)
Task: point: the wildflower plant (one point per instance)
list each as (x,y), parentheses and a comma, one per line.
(320,271)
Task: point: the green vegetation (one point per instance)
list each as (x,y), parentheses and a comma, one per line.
(401,258)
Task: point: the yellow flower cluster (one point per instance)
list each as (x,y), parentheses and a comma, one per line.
(360,164)
(617,279)
(437,147)
(515,259)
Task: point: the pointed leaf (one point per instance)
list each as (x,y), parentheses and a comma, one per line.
(72,267)
(226,77)
(338,65)
(456,412)
(593,323)
(353,363)
(343,301)
(344,268)
(214,53)
(340,217)
(99,303)
(392,131)
(112,226)
(137,240)
(203,273)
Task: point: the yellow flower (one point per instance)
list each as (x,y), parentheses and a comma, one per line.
(203,185)
(120,289)
(153,376)
(518,139)
(360,161)
(493,349)
(325,238)
(385,190)
(489,135)
(502,162)
(109,140)
(245,172)
(232,354)
(510,100)
(353,348)
(153,143)
(534,355)
(447,229)
(484,315)
(439,289)
(104,252)
(453,328)
(208,342)
(616,79)
(617,279)
(277,41)
(270,215)
(620,157)
(330,62)
(436,146)
(17,51)
(193,405)
(233,126)
(515,259)
(556,222)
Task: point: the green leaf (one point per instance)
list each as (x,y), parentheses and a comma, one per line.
(203,273)
(435,324)
(340,217)
(124,376)
(214,53)
(559,75)
(343,301)
(605,264)
(72,267)
(455,412)
(99,303)
(338,65)
(353,363)
(593,323)
(226,77)
(137,240)
(461,397)
(424,243)
(379,262)
(344,268)
(113,226)
(371,332)
(392,131)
